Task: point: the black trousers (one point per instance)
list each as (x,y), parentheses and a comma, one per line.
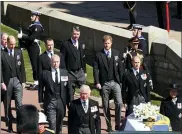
(133,16)
(179,7)
(55,112)
(33,52)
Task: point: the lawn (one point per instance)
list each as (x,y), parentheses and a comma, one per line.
(90,80)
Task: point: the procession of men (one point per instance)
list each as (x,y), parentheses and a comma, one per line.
(122,77)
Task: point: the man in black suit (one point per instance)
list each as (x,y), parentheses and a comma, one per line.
(108,72)
(73,57)
(44,62)
(83,114)
(135,86)
(172,108)
(13,75)
(56,95)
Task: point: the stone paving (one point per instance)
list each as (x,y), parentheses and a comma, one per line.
(113,13)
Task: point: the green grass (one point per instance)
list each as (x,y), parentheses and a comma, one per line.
(90,80)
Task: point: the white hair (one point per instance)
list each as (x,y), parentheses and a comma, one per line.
(85,88)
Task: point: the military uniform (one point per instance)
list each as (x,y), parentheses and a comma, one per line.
(32,44)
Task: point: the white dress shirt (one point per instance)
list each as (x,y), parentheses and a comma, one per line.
(75,43)
(86,108)
(9,51)
(49,53)
(53,74)
(135,71)
(174,100)
(106,51)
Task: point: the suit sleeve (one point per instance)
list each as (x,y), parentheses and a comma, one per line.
(22,69)
(162,109)
(96,70)
(128,62)
(63,54)
(35,33)
(71,116)
(120,67)
(124,89)
(98,121)
(41,87)
(148,88)
(69,93)
(39,67)
(84,61)
(2,80)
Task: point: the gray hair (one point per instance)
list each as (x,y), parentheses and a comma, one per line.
(55,56)
(76,28)
(4,34)
(85,87)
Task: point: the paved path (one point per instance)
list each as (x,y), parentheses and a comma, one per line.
(31,97)
(113,13)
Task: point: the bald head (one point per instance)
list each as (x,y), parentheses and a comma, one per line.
(4,37)
(11,42)
(85,92)
(55,61)
(136,62)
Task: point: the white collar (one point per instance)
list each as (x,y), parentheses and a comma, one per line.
(83,101)
(107,51)
(134,71)
(73,41)
(10,50)
(54,70)
(48,52)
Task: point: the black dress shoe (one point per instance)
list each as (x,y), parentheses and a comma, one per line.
(10,130)
(129,27)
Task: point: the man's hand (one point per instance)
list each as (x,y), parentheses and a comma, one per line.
(125,106)
(85,74)
(42,105)
(98,86)
(20,35)
(3,86)
(23,85)
(180,115)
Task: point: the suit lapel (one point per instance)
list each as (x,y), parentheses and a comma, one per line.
(133,77)
(72,48)
(80,109)
(49,79)
(47,58)
(6,55)
(104,59)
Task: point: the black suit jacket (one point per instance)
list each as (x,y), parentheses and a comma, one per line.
(6,66)
(100,67)
(169,109)
(130,86)
(69,55)
(44,63)
(76,112)
(47,82)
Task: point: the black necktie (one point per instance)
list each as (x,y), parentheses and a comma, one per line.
(137,75)
(84,105)
(11,53)
(56,77)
